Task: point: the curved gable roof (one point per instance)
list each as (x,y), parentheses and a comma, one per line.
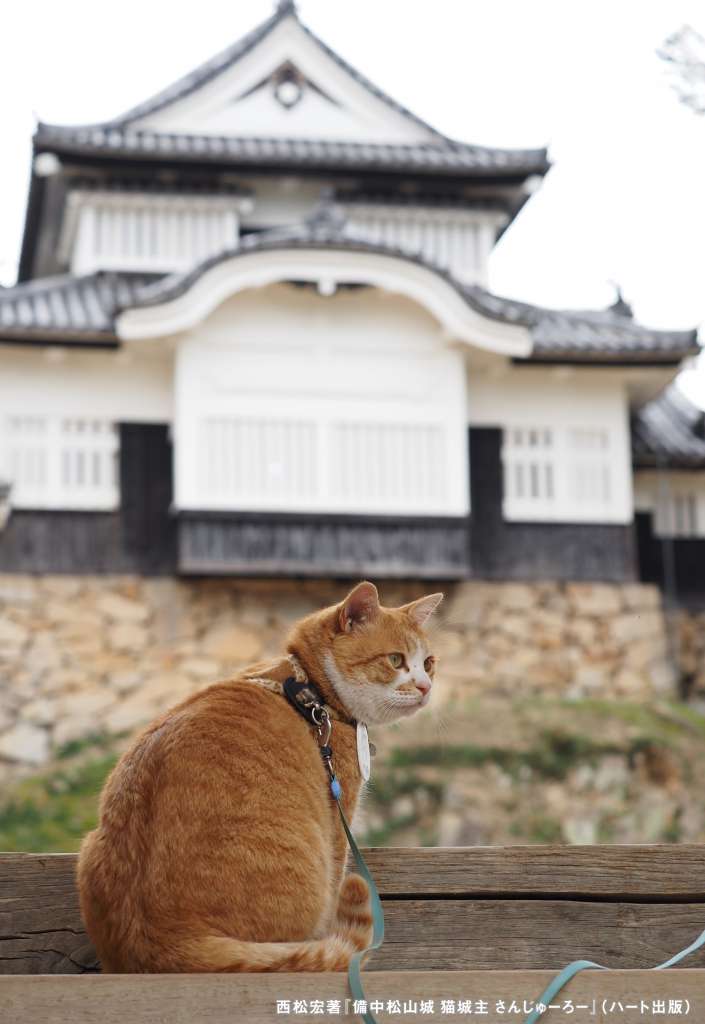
(125,138)
(228,57)
(77,309)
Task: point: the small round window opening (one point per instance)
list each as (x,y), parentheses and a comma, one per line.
(288,91)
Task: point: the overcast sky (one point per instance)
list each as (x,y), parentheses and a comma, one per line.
(624,200)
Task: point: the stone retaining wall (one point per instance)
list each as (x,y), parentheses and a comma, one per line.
(688,629)
(85,655)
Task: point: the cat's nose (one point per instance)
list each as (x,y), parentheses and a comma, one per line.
(423,686)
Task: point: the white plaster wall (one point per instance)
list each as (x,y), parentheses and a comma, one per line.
(58,416)
(282,354)
(563,400)
(314,116)
(117,385)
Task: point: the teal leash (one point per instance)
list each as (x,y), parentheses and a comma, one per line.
(305,698)
(311,706)
(546,996)
(579,965)
(355,964)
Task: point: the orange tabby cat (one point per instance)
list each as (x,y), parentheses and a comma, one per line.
(220,847)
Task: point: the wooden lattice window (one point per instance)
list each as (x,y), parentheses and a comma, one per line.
(558,473)
(61,461)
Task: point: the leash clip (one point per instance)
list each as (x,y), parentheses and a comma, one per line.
(324,729)
(324,726)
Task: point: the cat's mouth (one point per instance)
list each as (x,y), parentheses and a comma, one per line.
(407,705)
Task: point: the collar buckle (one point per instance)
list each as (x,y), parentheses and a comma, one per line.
(306,699)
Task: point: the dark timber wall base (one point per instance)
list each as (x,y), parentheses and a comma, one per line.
(531,551)
(63,542)
(567,551)
(675,563)
(264,544)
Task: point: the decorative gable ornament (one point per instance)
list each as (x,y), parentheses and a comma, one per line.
(288,86)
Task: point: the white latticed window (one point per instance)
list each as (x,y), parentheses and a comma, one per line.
(304,425)
(358,467)
(458,240)
(557,473)
(61,462)
(529,458)
(257,460)
(147,232)
(388,463)
(589,466)
(680,511)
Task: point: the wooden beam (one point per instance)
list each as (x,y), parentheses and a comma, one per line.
(650,872)
(455,934)
(530,907)
(521,934)
(223,998)
(659,872)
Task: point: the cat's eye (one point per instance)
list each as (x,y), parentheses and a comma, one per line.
(397,660)
(429,663)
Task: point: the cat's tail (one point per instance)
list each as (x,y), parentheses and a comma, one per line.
(353,933)
(216,954)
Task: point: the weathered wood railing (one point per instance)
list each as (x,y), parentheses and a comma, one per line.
(481,923)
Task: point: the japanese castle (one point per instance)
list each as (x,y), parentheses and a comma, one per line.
(252,335)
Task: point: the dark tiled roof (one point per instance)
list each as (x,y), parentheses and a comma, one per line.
(593,334)
(426,158)
(669,430)
(67,308)
(91,303)
(118,137)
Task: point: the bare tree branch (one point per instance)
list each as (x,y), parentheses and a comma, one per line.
(684,52)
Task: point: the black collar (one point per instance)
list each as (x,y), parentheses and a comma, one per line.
(306,698)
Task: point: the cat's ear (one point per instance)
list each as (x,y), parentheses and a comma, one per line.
(360,606)
(420,611)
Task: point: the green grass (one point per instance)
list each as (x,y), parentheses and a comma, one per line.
(384,788)
(555,753)
(382,836)
(51,814)
(98,741)
(641,715)
(539,828)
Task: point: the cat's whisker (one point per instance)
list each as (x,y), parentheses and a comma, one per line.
(442,726)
